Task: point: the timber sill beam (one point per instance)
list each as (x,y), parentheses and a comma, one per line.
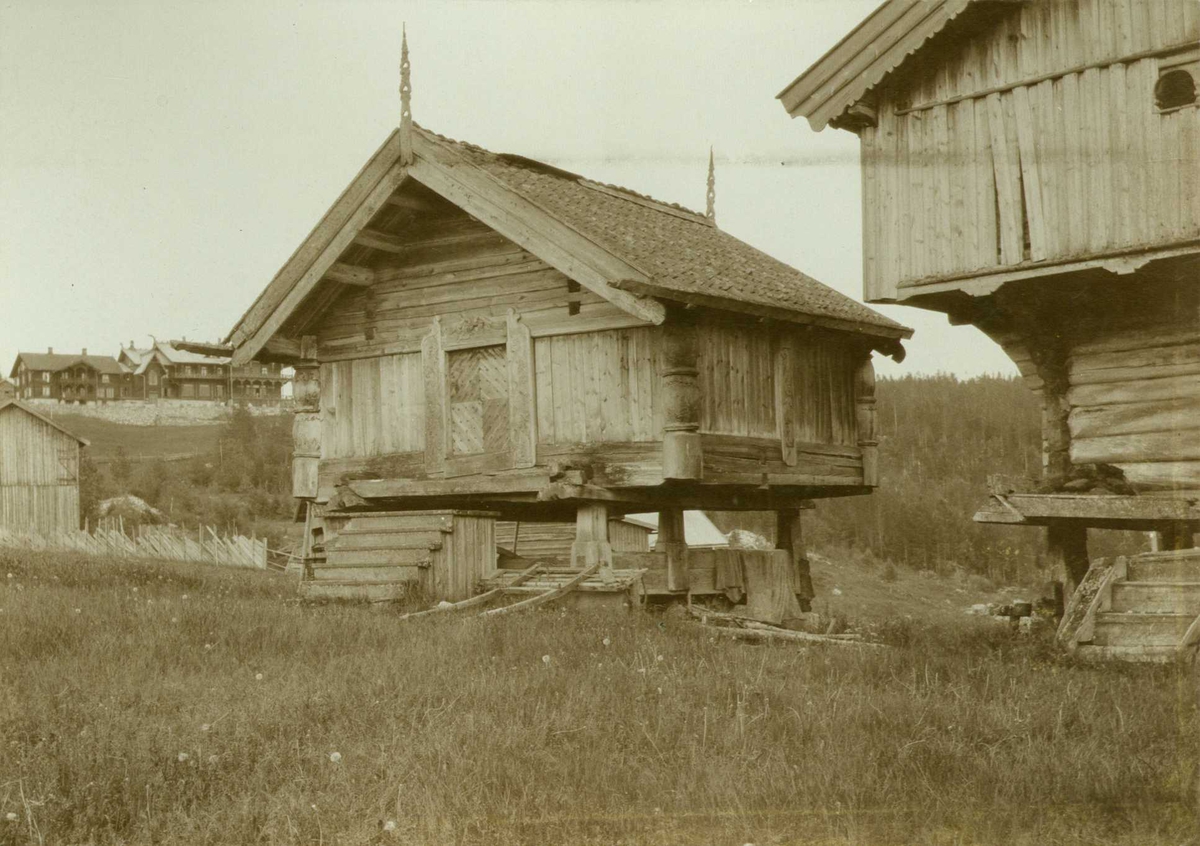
(988,281)
(1115,511)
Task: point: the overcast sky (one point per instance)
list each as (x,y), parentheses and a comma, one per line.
(160,160)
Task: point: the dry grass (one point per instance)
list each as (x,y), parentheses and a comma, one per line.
(131,714)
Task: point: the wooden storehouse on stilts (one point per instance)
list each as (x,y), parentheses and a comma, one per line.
(1033,169)
(482,337)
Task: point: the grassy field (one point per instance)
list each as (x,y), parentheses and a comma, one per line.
(173,704)
(140,441)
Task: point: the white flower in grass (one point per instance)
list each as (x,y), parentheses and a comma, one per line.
(607,641)
(10,816)
(135,590)
(389,826)
(659,658)
(546,659)
(174,619)
(258,676)
(208,647)
(212,759)
(78,610)
(182,757)
(184,596)
(205,727)
(335,757)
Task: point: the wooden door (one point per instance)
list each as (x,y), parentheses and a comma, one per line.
(477,403)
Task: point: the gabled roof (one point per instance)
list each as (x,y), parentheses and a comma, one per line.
(21,406)
(680,251)
(861,60)
(61,361)
(628,248)
(168,353)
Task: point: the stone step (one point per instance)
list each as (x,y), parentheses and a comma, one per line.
(1140,629)
(1145,654)
(1157,597)
(336,589)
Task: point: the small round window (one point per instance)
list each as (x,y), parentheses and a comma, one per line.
(1174,89)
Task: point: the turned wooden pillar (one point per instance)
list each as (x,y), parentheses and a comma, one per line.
(789,537)
(306,422)
(682,456)
(671,540)
(868,441)
(591,539)
(1067,546)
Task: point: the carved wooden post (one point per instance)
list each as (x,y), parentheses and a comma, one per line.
(591,539)
(682,455)
(671,540)
(789,536)
(306,422)
(868,441)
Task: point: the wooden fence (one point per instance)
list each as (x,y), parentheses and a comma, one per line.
(159,542)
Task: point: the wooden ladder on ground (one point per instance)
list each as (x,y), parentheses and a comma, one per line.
(1137,608)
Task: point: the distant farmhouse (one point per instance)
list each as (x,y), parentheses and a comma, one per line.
(8,391)
(177,370)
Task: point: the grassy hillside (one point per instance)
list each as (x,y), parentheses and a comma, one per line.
(182,705)
(140,442)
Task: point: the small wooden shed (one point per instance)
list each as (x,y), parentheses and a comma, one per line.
(1033,169)
(482,331)
(39,472)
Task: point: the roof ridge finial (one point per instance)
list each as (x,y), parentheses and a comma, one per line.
(711,209)
(406,147)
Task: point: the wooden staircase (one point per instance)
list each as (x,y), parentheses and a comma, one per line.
(1142,608)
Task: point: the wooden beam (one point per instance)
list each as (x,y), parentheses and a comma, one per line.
(416,203)
(454,177)
(351,274)
(333,250)
(673,543)
(591,549)
(1066,546)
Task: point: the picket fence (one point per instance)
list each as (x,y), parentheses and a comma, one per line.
(160,542)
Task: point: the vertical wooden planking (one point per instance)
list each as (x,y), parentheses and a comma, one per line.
(328,405)
(985,189)
(785,398)
(1007,184)
(544,392)
(1118,163)
(917,209)
(390,414)
(895,264)
(433,371)
(522,398)
(1189,173)
(1136,116)
(1073,156)
(869,166)
(1030,168)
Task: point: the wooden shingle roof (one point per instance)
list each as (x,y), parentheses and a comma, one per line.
(680,251)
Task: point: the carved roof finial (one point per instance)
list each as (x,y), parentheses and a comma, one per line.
(406,148)
(711,209)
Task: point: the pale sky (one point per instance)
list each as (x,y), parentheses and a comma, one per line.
(160,160)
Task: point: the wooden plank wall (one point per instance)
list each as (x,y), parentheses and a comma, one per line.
(738,372)
(1135,403)
(39,475)
(372,406)
(599,387)
(1062,168)
(554,540)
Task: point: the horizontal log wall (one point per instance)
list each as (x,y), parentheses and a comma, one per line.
(1065,168)
(1135,403)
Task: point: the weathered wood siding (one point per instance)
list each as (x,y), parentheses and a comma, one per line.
(599,387)
(39,475)
(481,276)
(372,406)
(1135,403)
(554,540)
(1064,168)
(740,370)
